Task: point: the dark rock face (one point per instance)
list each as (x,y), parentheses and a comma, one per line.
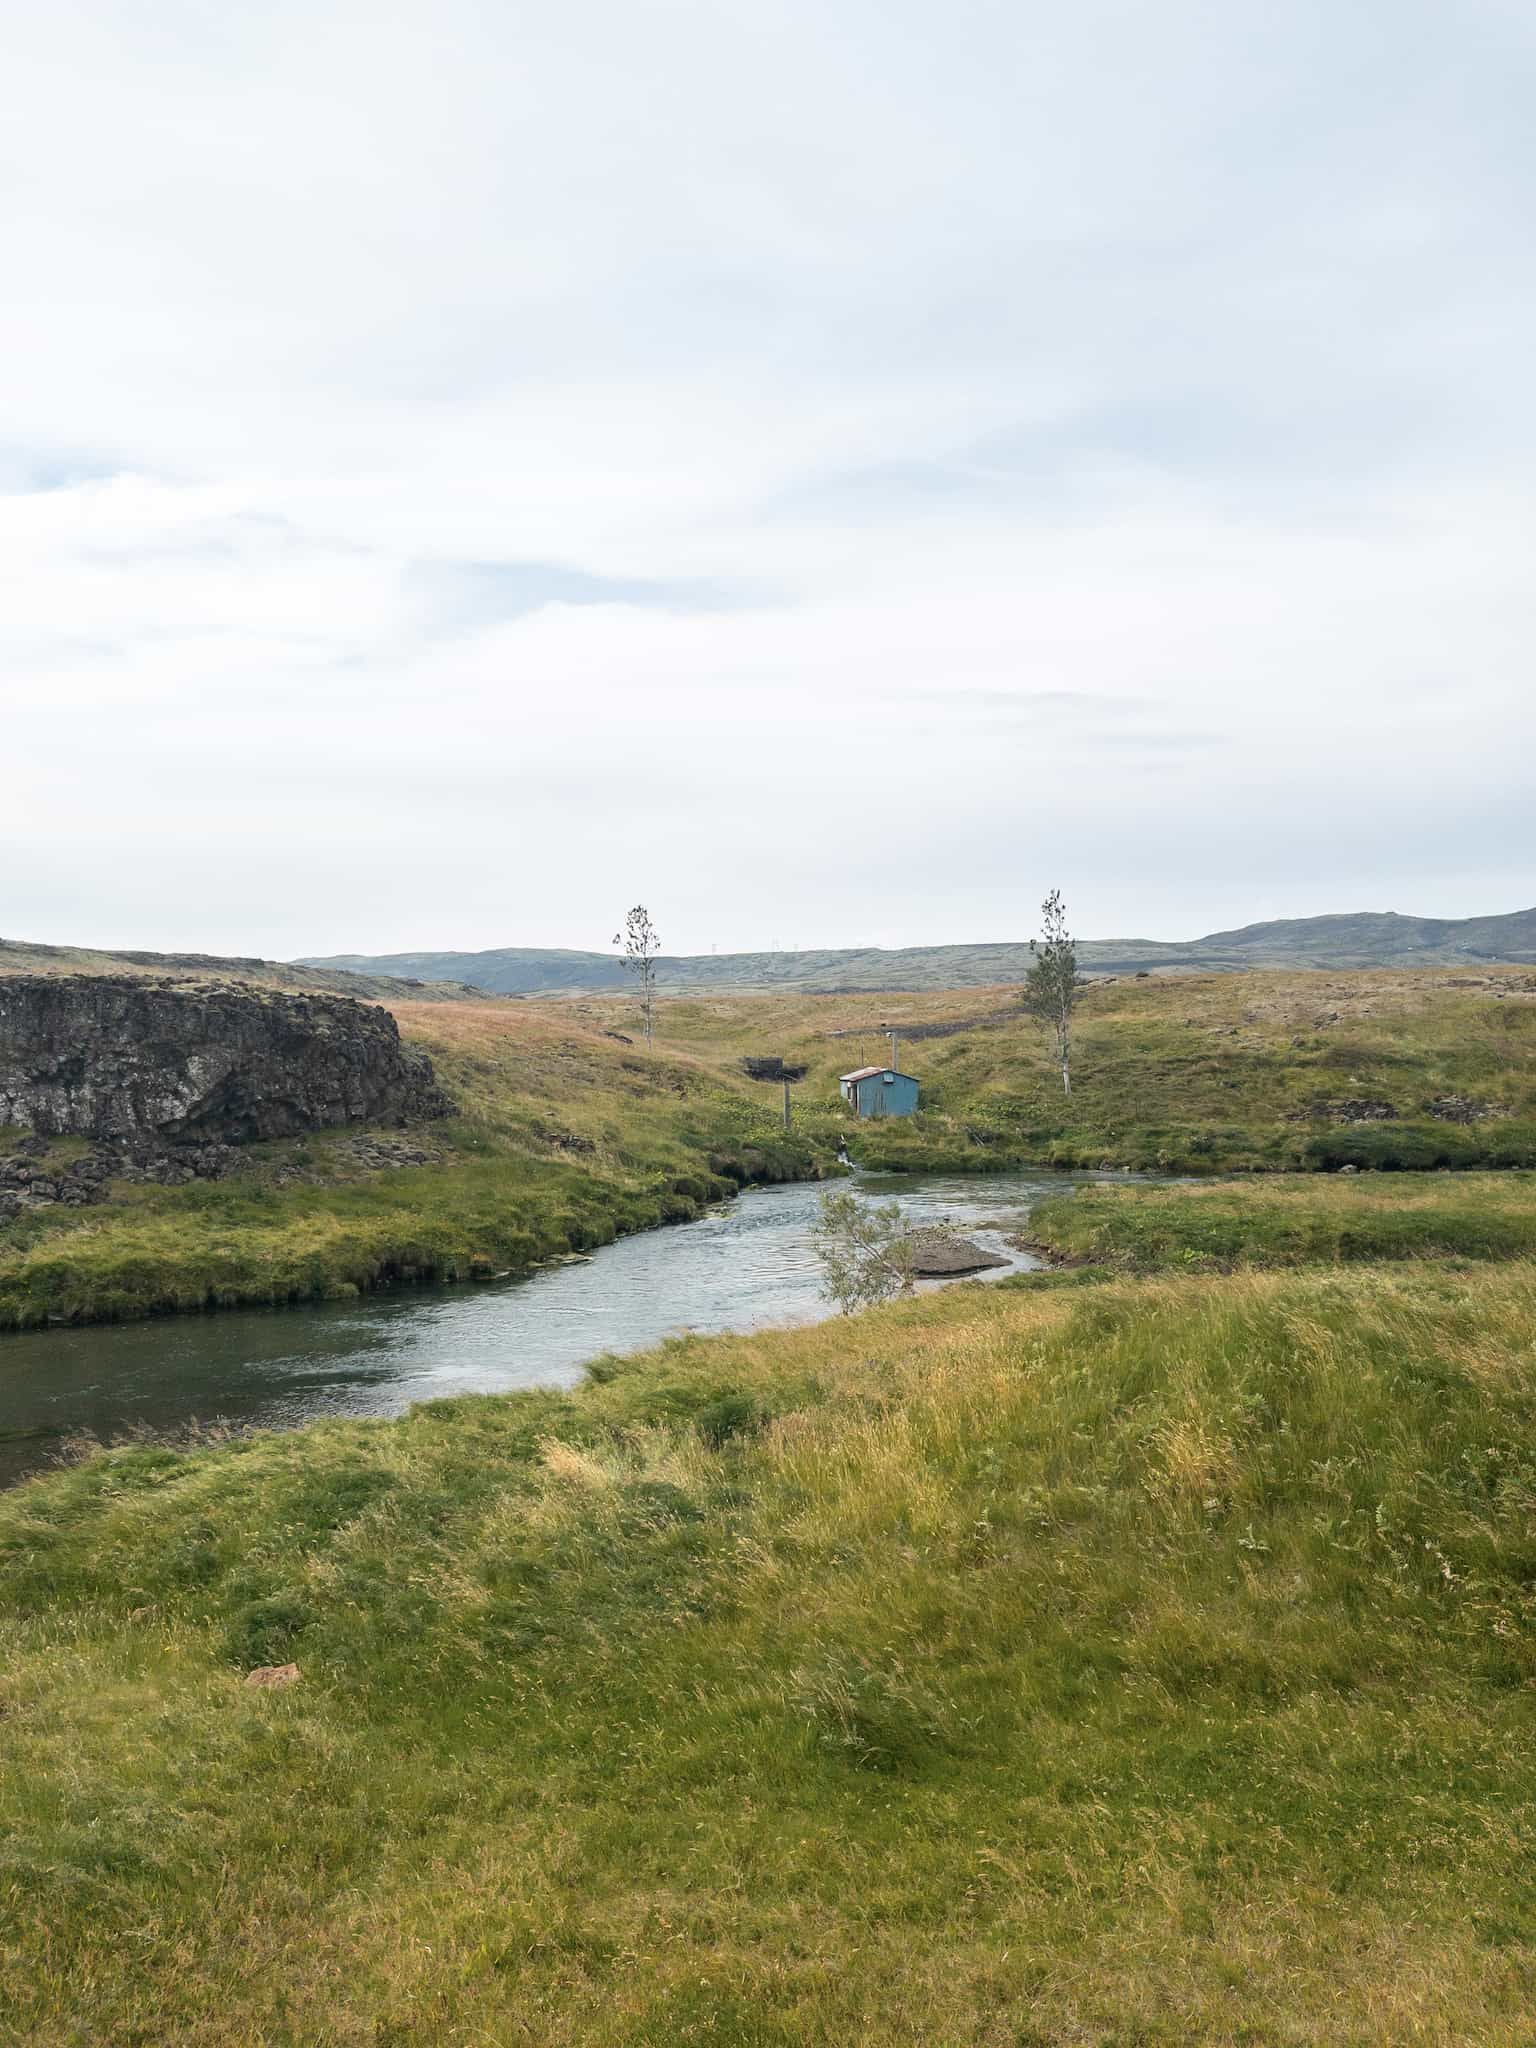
(28,1180)
(1358,1110)
(1462,1109)
(210,1064)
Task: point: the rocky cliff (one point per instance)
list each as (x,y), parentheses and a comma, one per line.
(109,1057)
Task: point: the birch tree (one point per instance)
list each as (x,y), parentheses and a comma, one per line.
(642,945)
(1050,993)
(864,1250)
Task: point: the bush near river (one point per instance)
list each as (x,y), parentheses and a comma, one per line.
(1153,1663)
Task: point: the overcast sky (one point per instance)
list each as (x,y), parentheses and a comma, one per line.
(830,472)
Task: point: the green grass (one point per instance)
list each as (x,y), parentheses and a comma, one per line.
(1290,1222)
(1150,1665)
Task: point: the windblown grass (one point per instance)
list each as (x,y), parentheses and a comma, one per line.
(1153,1665)
(1317,1220)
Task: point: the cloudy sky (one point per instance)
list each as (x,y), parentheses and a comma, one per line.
(831,472)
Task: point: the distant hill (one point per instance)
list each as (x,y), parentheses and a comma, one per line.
(21,956)
(1361,939)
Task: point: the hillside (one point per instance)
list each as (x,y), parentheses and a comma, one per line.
(1142,1663)
(21,956)
(1185,1074)
(1367,939)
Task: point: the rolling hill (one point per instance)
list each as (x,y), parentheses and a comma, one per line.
(1361,939)
(22,956)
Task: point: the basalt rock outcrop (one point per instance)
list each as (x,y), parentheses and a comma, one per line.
(109,1057)
(31,1178)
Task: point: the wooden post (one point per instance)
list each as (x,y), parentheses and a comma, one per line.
(786,1102)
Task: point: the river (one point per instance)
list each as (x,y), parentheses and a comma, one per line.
(743,1266)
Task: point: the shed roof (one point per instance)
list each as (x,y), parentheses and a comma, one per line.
(868,1073)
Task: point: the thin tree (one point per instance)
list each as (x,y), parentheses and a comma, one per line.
(864,1249)
(1050,993)
(641,946)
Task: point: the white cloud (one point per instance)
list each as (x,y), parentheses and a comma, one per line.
(833,474)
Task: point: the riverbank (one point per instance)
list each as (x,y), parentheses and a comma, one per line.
(1225,1226)
(564,1139)
(1149,1663)
(747,1264)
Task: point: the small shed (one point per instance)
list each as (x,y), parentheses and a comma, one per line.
(879,1091)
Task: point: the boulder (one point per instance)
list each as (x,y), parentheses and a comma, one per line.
(1461,1109)
(934,1254)
(269,1677)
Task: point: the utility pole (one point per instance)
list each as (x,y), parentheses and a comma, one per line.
(768,1067)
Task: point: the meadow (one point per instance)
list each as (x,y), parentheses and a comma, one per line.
(1270,1071)
(1151,1663)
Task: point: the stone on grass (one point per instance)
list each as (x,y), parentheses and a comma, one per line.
(268,1675)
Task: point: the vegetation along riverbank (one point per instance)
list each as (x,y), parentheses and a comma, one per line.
(1150,1662)
(1226,1225)
(567,1131)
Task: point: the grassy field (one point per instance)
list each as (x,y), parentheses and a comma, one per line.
(566,1135)
(564,1138)
(1151,1664)
(1224,1225)
(1187,1076)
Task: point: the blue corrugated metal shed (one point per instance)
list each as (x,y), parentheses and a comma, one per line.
(879,1091)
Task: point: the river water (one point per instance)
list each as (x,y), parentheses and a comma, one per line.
(744,1266)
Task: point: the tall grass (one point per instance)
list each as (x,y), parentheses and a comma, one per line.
(1148,1665)
(1226,1224)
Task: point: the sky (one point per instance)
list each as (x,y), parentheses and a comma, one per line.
(829,474)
